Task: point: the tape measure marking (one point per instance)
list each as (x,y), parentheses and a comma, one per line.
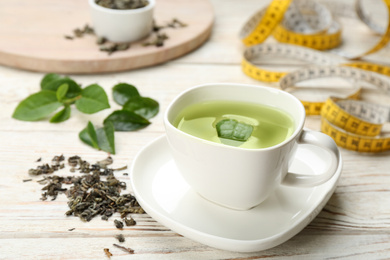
(280,50)
(353,124)
(302,29)
(261,25)
(354,142)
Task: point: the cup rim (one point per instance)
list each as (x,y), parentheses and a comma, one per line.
(93,4)
(297,129)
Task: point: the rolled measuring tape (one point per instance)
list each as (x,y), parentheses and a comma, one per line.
(353,124)
(255,56)
(354,76)
(353,132)
(354,73)
(307,26)
(306,23)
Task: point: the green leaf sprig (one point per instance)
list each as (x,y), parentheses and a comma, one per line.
(57,91)
(135,114)
(100,138)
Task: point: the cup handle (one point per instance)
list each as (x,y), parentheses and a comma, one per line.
(321,140)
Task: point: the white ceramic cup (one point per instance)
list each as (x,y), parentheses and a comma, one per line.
(122,25)
(241,178)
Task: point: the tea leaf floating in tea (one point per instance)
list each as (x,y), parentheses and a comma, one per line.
(259,126)
(234,130)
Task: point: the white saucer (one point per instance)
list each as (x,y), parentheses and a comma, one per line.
(167,198)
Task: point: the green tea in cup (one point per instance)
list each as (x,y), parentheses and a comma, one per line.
(266,120)
(241,124)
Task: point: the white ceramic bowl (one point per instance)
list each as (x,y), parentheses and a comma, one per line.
(122,25)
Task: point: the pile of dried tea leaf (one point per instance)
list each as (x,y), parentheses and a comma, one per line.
(96,192)
(122,4)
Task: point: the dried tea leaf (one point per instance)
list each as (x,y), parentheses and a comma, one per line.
(122,4)
(126,249)
(120,238)
(129,221)
(118,224)
(107,252)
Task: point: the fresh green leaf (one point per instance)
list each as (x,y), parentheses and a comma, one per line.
(124,120)
(106,138)
(93,99)
(143,106)
(37,106)
(49,78)
(88,136)
(61,116)
(122,92)
(61,91)
(74,89)
(234,130)
(101,138)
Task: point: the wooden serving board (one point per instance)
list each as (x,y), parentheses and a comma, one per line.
(32,36)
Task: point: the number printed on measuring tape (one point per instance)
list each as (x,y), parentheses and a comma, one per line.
(351,131)
(307,23)
(304,28)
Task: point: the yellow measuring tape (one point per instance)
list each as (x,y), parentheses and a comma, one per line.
(322,36)
(310,25)
(353,124)
(353,132)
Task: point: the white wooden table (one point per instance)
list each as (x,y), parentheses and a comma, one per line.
(355,223)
